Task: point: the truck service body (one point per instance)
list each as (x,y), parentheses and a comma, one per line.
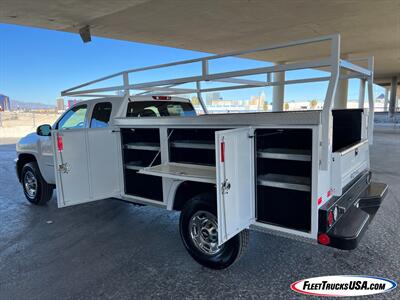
(299,174)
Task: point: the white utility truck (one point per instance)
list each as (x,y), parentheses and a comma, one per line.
(300,174)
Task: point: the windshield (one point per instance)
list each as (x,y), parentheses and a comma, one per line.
(160,109)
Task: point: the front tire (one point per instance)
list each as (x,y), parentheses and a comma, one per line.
(37,191)
(198,227)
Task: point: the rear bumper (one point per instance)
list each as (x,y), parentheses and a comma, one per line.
(354,210)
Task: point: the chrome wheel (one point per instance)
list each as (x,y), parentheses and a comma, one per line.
(30,184)
(203,228)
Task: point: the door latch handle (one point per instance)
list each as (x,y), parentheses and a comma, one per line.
(64,168)
(225,186)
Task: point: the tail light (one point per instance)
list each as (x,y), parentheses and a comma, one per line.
(332,216)
(324,239)
(161,97)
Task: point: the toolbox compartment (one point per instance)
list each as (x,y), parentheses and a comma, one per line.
(140,148)
(283,170)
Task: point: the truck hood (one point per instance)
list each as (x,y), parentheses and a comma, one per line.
(28,142)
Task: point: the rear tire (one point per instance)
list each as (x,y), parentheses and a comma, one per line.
(198,227)
(37,191)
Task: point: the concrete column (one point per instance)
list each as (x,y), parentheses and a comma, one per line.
(361,94)
(385,104)
(341,92)
(278,92)
(393,97)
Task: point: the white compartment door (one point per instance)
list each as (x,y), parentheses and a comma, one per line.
(104,162)
(71,166)
(235,181)
(86,165)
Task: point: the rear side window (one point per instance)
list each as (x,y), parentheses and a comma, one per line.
(160,109)
(101,115)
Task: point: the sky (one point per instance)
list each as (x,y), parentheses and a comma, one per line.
(37,64)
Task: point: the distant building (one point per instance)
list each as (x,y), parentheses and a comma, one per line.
(120,93)
(70,103)
(212,96)
(60,104)
(4,103)
(262,96)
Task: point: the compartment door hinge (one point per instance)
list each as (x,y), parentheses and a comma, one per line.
(64,168)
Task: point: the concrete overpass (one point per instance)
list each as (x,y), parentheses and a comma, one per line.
(367,27)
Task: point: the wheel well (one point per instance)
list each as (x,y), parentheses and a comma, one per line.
(189,189)
(23,159)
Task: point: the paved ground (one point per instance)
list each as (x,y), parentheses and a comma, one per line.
(114,250)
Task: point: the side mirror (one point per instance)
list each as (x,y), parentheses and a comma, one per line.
(44,130)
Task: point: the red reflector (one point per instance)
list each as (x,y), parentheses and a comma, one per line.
(223,152)
(60,145)
(330,218)
(319,201)
(324,239)
(161,97)
(328,194)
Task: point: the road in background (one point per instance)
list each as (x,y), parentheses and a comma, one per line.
(115,250)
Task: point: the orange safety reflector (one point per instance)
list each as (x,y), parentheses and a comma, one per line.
(60,145)
(222,152)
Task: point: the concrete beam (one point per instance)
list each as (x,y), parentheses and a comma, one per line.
(361,94)
(393,97)
(224,25)
(340,100)
(385,104)
(278,92)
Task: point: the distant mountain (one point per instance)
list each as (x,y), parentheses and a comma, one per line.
(15,104)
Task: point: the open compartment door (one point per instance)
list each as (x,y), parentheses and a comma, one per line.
(86,167)
(235,181)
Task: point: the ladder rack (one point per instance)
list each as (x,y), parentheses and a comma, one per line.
(236,79)
(171,86)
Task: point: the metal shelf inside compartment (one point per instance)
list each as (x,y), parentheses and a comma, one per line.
(194,144)
(135,165)
(182,171)
(143,146)
(285,181)
(285,153)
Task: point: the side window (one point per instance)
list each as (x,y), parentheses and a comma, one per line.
(142,109)
(74,118)
(150,111)
(160,109)
(101,115)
